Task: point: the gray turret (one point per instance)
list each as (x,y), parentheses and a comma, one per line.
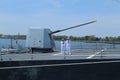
(41,39)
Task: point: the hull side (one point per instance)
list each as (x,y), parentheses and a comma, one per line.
(92,71)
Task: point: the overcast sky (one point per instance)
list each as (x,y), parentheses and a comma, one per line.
(17,16)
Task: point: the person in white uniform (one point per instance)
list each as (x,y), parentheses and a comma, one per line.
(63,46)
(68,46)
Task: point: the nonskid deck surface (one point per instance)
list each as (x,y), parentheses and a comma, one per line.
(76,54)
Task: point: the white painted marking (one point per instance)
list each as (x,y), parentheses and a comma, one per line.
(57,54)
(91,56)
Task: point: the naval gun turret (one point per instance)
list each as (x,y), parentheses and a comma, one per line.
(40,40)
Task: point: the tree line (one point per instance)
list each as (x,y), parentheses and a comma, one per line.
(88,38)
(13,36)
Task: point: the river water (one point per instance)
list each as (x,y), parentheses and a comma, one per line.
(6,43)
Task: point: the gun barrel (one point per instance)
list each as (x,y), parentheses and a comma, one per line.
(72,27)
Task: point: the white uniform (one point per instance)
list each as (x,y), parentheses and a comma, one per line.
(63,47)
(68,47)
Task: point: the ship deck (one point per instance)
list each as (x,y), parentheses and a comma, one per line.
(75,54)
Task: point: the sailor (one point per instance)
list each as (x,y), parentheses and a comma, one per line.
(63,46)
(68,46)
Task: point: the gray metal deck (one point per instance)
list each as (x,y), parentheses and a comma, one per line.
(76,54)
